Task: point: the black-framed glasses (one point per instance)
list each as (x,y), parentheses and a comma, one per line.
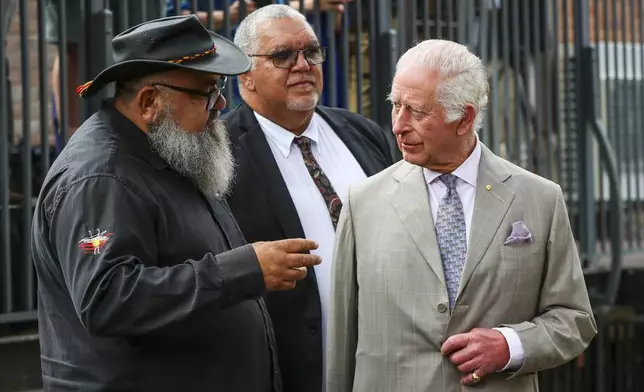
(212,96)
(288,58)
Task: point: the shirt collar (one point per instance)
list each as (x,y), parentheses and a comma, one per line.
(468,171)
(283,138)
(132,137)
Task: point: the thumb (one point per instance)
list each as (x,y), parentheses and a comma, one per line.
(455,343)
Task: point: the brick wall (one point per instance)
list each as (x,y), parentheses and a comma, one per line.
(604,23)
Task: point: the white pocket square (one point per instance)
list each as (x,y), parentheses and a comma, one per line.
(520,235)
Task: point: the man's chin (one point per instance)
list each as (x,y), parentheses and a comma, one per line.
(302,105)
(414,159)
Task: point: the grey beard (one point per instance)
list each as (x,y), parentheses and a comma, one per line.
(205,157)
(299,106)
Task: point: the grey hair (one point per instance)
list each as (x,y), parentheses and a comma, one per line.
(246,34)
(464,78)
(126,90)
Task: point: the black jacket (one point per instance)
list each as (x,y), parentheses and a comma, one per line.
(263,207)
(139,289)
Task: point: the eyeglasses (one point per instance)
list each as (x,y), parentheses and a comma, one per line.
(213,95)
(288,58)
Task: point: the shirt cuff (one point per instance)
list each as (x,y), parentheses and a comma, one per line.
(517,356)
(242,274)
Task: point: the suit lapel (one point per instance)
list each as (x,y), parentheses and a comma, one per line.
(410,199)
(492,201)
(354,141)
(269,177)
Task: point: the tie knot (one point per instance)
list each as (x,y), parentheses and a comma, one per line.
(449,180)
(303,142)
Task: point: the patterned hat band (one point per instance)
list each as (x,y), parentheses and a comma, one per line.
(80,90)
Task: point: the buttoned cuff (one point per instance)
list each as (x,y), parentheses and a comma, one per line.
(517,356)
(241,273)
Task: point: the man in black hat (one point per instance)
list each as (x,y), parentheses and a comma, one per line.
(145,281)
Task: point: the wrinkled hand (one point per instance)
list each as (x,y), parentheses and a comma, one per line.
(283,262)
(481,350)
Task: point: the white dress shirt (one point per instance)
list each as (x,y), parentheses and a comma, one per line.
(340,167)
(467,175)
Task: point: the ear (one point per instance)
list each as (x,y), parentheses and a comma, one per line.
(466,123)
(247,81)
(148,103)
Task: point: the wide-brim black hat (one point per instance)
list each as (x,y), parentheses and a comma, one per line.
(176,42)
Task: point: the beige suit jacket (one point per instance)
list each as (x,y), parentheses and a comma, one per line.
(388,313)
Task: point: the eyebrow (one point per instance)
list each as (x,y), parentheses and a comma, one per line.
(416,105)
(280,48)
(210,82)
(285,48)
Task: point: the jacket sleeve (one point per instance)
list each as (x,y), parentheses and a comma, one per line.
(565,325)
(104,234)
(342,329)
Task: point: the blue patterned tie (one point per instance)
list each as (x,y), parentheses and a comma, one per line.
(451,236)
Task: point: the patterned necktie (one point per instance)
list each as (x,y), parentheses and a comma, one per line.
(331,198)
(451,236)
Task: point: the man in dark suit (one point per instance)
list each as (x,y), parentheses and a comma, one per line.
(295,161)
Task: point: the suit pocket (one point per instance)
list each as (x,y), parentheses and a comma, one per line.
(516,256)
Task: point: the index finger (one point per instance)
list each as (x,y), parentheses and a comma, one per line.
(297,245)
(304,260)
(454,343)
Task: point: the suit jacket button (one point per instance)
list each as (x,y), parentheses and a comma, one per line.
(313,328)
(442,307)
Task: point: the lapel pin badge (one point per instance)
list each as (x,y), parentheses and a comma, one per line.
(488,187)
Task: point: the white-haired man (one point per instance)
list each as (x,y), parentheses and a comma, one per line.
(295,160)
(453,266)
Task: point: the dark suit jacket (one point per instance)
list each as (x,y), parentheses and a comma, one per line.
(265,211)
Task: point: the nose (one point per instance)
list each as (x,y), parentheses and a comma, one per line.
(221,103)
(398,122)
(300,63)
(397,128)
